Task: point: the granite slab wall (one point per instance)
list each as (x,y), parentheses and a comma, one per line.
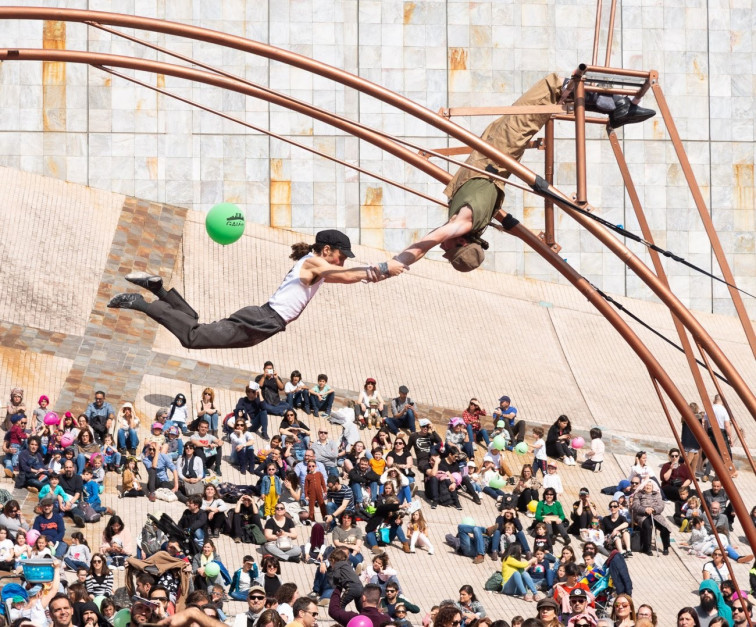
(85,126)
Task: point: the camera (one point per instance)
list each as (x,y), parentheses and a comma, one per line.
(269,371)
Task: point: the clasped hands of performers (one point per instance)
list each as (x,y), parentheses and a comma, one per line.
(385,270)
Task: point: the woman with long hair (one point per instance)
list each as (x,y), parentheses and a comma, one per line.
(206,410)
(99,580)
(117,543)
(526,489)
(315,264)
(448,616)
(468,604)
(558,441)
(688,617)
(623,611)
(216,509)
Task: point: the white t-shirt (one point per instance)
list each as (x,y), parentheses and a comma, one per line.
(553,481)
(598,447)
(539,446)
(289,387)
(718,575)
(720,413)
(6,551)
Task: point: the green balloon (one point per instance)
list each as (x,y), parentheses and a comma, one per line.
(497,482)
(467,520)
(98,600)
(224,223)
(521,448)
(212,570)
(122,618)
(500,442)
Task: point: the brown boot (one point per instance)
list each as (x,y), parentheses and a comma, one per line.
(478,559)
(406,547)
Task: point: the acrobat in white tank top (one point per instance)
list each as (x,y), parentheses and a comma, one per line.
(292,296)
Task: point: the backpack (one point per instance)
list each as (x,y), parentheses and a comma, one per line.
(89,513)
(252,534)
(493,583)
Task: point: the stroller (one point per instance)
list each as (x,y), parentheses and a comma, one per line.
(603,592)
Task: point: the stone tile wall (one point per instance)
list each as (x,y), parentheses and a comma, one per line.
(82,125)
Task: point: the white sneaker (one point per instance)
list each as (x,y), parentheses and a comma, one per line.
(430,551)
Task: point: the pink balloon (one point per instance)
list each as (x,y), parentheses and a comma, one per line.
(67,440)
(31,536)
(360,621)
(51,418)
(578,442)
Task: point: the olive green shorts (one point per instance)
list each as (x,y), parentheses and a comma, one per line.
(483,198)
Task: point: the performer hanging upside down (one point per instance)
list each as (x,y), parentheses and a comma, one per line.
(475,199)
(315,264)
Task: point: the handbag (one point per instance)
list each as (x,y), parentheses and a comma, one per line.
(194,488)
(384,534)
(284,543)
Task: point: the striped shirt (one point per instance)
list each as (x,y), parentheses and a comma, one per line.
(98,585)
(344,493)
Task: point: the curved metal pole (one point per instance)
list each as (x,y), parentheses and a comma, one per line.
(269,133)
(654,367)
(422,113)
(157,67)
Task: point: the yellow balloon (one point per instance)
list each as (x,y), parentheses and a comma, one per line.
(532,506)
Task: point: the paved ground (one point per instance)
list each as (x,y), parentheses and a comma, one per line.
(448,337)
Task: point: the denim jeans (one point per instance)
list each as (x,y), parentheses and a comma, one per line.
(405,422)
(16,448)
(238,595)
(519,584)
(405,494)
(199,537)
(75,564)
(474,546)
(260,421)
(115,459)
(357,491)
(276,410)
(322,586)
(325,405)
(395,531)
(127,439)
(299,399)
(356,558)
(246,458)
(521,540)
(481,433)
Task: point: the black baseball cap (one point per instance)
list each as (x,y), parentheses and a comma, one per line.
(335,239)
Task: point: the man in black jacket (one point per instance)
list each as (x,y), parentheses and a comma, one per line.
(194,519)
(361,478)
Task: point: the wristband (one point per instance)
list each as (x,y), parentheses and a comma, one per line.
(383,267)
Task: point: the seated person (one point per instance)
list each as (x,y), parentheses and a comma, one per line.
(194,519)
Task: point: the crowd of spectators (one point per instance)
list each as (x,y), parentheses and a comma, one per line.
(358,495)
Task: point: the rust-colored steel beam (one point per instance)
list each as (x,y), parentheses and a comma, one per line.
(587,120)
(610,33)
(269,133)
(703,212)
(548,172)
(617,71)
(424,114)
(513,110)
(661,273)
(597,32)
(582,187)
(654,367)
(209,78)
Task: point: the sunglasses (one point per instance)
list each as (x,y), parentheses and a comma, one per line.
(400,611)
(616,605)
(675,455)
(614,507)
(456,622)
(256,597)
(163,599)
(736,608)
(315,614)
(577,600)
(97,561)
(280,507)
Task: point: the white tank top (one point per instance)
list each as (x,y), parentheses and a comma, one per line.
(292,295)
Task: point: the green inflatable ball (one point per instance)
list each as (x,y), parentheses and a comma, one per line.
(467,520)
(521,448)
(224,223)
(212,570)
(98,600)
(497,482)
(500,442)
(122,618)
